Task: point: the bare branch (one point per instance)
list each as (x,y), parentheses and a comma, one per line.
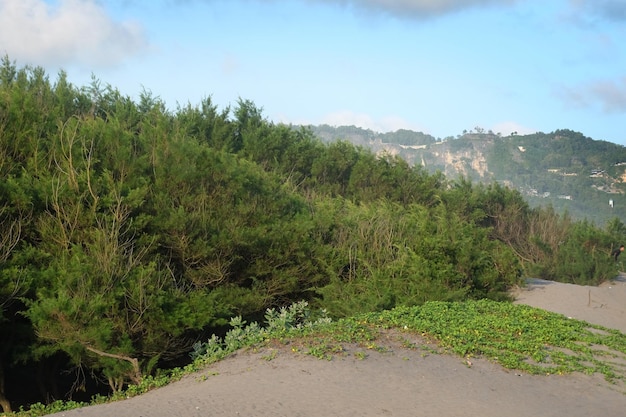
(136,377)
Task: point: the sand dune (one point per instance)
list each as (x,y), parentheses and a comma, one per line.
(398,382)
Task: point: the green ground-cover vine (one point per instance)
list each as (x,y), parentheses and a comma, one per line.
(516,336)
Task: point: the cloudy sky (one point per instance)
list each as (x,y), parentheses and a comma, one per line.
(436,66)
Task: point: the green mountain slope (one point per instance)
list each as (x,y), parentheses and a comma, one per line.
(565,169)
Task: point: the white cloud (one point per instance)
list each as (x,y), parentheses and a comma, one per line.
(364,121)
(68,32)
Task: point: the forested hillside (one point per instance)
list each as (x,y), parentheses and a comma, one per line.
(563,169)
(129,231)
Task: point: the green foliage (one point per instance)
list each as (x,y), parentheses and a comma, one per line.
(280,323)
(548,245)
(128,232)
(350,133)
(408,137)
(426,255)
(566,251)
(516,336)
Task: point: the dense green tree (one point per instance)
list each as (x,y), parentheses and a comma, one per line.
(616,228)
(206,123)
(389,255)
(333,168)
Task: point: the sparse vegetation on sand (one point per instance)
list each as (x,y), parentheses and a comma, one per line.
(517,337)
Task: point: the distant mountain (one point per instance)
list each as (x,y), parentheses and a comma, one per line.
(564,168)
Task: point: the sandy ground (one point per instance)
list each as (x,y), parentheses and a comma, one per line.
(604,305)
(397,382)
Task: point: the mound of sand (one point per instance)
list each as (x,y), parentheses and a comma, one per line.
(398,382)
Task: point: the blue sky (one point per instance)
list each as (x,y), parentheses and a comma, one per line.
(436,66)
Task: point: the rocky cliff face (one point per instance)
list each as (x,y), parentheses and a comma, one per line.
(468,159)
(467,163)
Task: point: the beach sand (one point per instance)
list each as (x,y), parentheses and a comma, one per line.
(396,382)
(604,305)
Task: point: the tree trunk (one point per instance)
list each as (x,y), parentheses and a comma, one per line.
(4,401)
(5,404)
